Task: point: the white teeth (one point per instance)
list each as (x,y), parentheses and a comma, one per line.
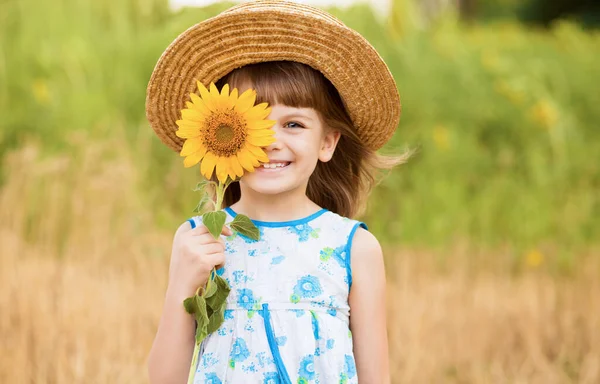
(274,165)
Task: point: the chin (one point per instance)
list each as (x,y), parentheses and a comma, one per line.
(266,186)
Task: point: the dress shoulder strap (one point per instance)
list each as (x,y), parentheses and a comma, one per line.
(341,231)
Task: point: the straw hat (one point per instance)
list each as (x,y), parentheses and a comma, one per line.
(271,30)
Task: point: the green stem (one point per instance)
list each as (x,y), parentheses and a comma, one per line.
(194,363)
(219,197)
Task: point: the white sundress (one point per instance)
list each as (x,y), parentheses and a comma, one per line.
(287,316)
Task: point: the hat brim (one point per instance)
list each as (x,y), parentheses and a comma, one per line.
(265,31)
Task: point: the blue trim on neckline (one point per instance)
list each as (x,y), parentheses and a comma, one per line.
(290,223)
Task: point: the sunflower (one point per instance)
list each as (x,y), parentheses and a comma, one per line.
(224,133)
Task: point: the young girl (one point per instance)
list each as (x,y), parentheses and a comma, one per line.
(308,300)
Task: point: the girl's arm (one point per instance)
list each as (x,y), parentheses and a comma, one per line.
(171,354)
(368,309)
(194,255)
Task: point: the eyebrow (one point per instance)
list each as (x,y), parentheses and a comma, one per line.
(296,114)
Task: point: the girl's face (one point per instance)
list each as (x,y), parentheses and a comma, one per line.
(301,141)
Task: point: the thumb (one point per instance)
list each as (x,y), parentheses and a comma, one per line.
(227,231)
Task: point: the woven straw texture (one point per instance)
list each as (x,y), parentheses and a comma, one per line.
(270,30)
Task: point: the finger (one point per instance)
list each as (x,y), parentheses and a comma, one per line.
(199,230)
(226,231)
(207,238)
(218,260)
(213,248)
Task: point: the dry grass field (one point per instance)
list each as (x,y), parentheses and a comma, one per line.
(83,271)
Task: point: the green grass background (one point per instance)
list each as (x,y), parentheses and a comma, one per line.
(504,116)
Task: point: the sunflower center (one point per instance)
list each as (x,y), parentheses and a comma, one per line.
(225,133)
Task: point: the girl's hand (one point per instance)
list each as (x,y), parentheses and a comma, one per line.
(195,253)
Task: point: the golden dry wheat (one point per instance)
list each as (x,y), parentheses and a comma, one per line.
(83,271)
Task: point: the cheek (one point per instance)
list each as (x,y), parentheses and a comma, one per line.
(307,159)
(306,148)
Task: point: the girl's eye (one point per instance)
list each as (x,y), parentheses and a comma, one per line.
(293,124)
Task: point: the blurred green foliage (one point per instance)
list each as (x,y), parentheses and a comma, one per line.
(538,12)
(505,117)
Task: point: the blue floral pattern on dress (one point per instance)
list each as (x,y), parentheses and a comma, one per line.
(308,286)
(349,366)
(245,298)
(304,231)
(239,351)
(212,378)
(271,378)
(307,368)
(339,255)
(277,259)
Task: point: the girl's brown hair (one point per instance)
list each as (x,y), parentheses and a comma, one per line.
(342,184)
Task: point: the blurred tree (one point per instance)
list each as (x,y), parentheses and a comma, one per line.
(544,11)
(534,11)
(468,9)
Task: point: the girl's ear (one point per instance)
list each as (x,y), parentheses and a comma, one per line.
(328,144)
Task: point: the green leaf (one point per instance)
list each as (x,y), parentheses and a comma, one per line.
(190,305)
(201,186)
(214,221)
(201,332)
(201,319)
(217,318)
(210,289)
(202,204)
(245,226)
(219,298)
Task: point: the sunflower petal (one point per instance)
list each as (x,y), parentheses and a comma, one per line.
(186,132)
(261,124)
(222,168)
(235,166)
(257,152)
(225,90)
(192,159)
(245,159)
(221,99)
(208,165)
(199,104)
(261,132)
(233,97)
(192,114)
(259,141)
(258,112)
(214,92)
(187,124)
(205,96)
(245,101)
(191,146)
(227,102)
